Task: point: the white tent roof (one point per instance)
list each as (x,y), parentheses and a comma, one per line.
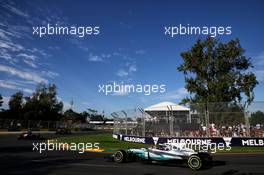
(166,106)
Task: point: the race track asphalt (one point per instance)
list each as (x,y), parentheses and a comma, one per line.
(17,157)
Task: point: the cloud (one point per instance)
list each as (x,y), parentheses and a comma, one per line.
(7,56)
(120,93)
(259,74)
(27,56)
(260,56)
(30,63)
(122,73)
(29,59)
(86,103)
(14,86)
(12,49)
(39,51)
(174,95)
(66,104)
(54,48)
(258,59)
(13,37)
(10,46)
(6,100)
(140,52)
(14,31)
(129,69)
(95,58)
(98,58)
(258,63)
(22,74)
(50,74)
(125,25)
(4,35)
(132,68)
(78,43)
(122,56)
(15,10)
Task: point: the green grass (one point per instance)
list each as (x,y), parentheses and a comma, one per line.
(106,141)
(110,144)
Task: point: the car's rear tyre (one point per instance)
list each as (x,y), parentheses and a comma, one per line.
(194,162)
(120,156)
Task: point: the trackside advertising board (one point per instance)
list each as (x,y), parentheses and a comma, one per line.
(232,141)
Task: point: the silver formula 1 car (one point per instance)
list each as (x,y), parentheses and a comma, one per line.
(168,153)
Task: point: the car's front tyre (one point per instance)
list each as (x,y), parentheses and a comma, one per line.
(120,156)
(194,162)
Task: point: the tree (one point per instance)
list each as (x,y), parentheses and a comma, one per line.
(15,105)
(85,115)
(1,100)
(217,72)
(74,116)
(94,115)
(92,111)
(257,118)
(97,118)
(43,104)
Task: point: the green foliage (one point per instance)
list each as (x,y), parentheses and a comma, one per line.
(225,113)
(1,100)
(43,104)
(97,118)
(16,102)
(92,111)
(257,118)
(217,72)
(94,115)
(74,116)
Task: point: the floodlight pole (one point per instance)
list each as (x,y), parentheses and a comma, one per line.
(143,121)
(207,122)
(189,116)
(115,116)
(125,120)
(170,120)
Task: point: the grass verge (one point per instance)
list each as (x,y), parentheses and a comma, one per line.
(106,141)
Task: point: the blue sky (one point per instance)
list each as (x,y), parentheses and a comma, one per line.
(130,48)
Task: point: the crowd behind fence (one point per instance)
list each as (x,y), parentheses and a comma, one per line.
(202,120)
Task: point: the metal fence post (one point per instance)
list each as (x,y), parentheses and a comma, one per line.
(144,125)
(207,122)
(170,120)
